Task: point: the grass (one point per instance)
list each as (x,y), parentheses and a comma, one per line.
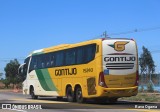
(149,97)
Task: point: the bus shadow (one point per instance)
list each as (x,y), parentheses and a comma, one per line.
(119,103)
(51,99)
(91,101)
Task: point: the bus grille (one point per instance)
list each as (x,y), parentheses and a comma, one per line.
(120,66)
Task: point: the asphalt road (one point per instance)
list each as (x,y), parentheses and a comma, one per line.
(21,103)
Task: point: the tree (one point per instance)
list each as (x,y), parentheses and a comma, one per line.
(147,66)
(11,71)
(1,74)
(6,82)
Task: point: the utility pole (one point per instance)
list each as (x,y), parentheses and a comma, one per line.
(105,34)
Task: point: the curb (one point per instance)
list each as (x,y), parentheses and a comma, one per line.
(138,101)
(13,91)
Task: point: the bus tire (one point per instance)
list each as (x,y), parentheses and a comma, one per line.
(70,95)
(33,96)
(59,98)
(79,95)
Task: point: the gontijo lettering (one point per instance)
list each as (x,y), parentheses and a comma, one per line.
(67,71)
(113,59)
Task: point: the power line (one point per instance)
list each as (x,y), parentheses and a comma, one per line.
(9,59)
(106,35)
(135,31)
(129,32)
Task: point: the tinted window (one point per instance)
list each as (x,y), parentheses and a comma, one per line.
(80,55)
(89,52)
(25,68)
(45,61)
(26,61)
(34,64)
(70,57)
(59,58)
(52,59)
(39,61)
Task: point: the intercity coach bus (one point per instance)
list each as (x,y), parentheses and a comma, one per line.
(99,69)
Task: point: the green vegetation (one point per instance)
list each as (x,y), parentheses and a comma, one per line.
(141,89)
(1,76)
(149,97)
(147,66)
(146,62)
(150,87)
(6,82)
(11,73)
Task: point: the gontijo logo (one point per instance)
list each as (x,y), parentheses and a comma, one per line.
(119,45)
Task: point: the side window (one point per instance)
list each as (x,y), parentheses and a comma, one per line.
(70,57)
(47,61)
(39,61)
(89,52)
(34,64)
(25,68)
(43,61)
(52,61)
(80,55)
(59,58)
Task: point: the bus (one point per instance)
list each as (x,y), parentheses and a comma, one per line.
(104,68)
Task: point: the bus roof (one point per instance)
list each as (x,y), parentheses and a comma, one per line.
(40,51)
(61,46)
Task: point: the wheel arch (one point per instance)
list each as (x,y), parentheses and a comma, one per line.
(30,88)
(68,85)
(77,86)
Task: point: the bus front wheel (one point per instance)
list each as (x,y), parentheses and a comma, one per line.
(33,96)
(70,95)
(59,98)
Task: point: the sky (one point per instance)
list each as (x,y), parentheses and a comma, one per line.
(27,25)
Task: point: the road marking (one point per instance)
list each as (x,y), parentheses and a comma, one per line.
(144,110)
(94,106)
(19,110)
(76,104)
(38,101)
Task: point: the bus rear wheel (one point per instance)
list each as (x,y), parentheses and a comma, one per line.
(79,95)
(70,95)
(33,96)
